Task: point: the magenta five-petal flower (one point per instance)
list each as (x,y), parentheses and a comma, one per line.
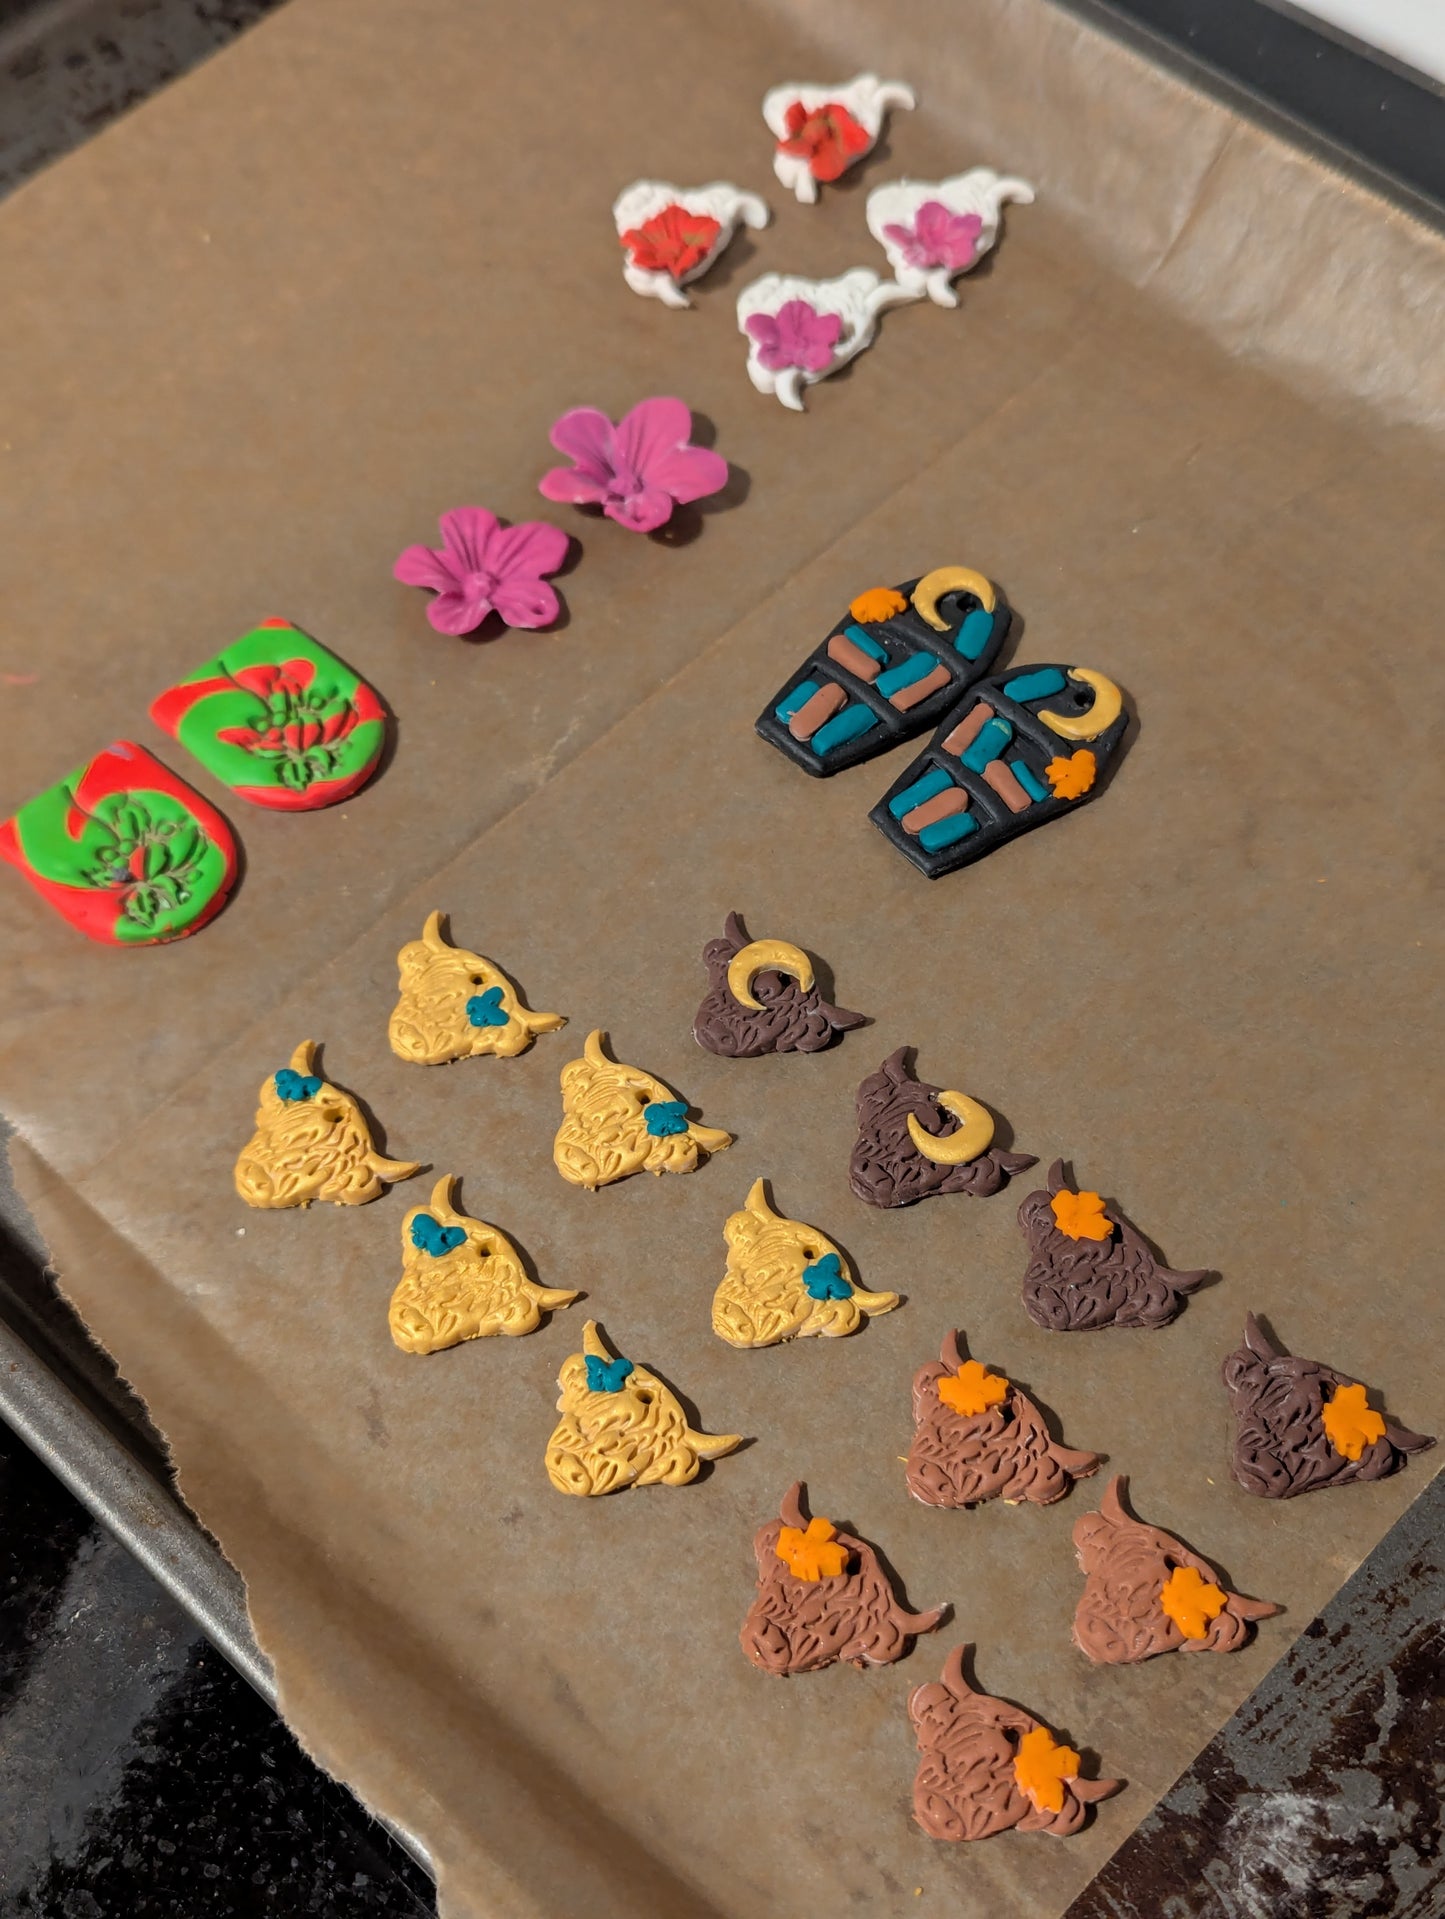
(796,335)
(938,237)
(484,567)
(636,471)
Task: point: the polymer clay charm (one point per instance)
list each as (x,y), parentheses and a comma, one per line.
(898,660)
(915,1140)
(483,567)
(456,1005)
(985,1766)
(799,331)
(823,1596)
(636,471)
(761,998)
(312,1142)
(1089,1267)
(1017,752)
(980,1437)
(1300,1425)
(279,719)
(618,1120)
(671,235)
(462,1279)
(1146,1593)
(620,1426)
(124,850)
(785,1280)
(821,131)
(934,230)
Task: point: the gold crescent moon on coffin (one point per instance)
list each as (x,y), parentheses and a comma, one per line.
(763,956)
(1108,705)
(974,1135)
(950,579)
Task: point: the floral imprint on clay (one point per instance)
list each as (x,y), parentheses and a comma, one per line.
(786,1280)
(618,1120)
(822,131)
(312,1142)
(800,331)
(621,1426)
(455,1004)
(279,719)
(932,231)
(672,235)
(462,1279)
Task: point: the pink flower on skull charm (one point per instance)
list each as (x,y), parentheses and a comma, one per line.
(796,335)
(636,471)
(938,238)
(484,567)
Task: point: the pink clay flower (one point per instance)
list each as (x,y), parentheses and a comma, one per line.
(484,567)
(938,237)
(636,471)
(796,335)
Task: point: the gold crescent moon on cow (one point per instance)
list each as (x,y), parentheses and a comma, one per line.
(974,1135)
(764,956)
(1108,705)
(950,579)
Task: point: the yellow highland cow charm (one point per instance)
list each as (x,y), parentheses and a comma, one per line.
(461,1279)
(457,1005)
(311,1142)
(620,1426)
(784,1280)
(618,1120)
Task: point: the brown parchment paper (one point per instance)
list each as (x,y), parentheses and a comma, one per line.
(258,337)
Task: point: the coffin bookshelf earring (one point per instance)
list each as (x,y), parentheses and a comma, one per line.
(1023,748)
(891,668)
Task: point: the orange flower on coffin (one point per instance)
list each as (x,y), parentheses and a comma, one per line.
(1350,1423)
(1191,1601)
(1072,778)
(972,1390)
(1042,1767)
(813,1554)
(878,603)
(1080,1215)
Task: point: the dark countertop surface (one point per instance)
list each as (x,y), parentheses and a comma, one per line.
(139,1776)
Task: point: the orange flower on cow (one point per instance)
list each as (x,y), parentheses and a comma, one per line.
(1349,1421)
(1080,1215)
(972,1389)
(814,1554)
(827,137)
(1191,1601)
(1042,1767)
